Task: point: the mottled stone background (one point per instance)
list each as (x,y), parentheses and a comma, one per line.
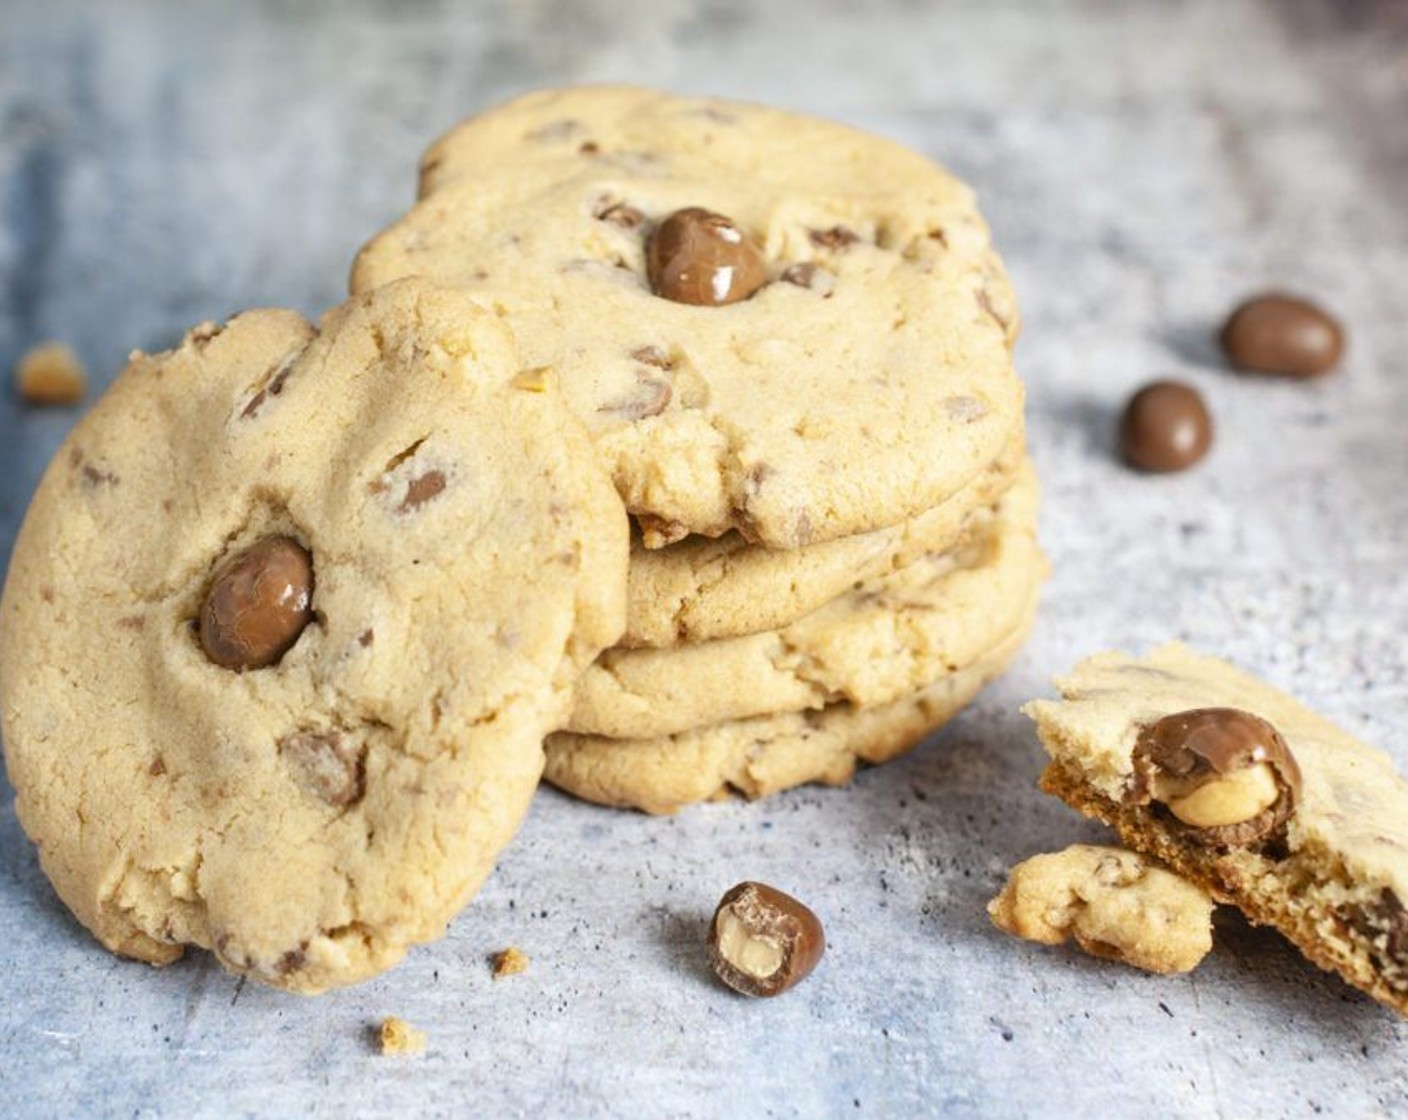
(1144,165)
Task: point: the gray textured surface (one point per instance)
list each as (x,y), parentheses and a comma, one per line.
(1143,165)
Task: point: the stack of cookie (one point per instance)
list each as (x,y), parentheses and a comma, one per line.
(383,559)
(791,344)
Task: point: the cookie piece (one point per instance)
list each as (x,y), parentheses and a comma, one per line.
(883,639)
(1114,904)
(868,378)
(704,588)
(421,553)
(1298,824)
(50,373)
(762,756)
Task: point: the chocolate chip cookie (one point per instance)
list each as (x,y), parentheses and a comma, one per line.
(285,626)
(769,323)
(1245,791)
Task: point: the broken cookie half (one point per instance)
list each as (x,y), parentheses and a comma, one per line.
(1246,792)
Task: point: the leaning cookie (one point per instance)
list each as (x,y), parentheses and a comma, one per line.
(1113,903)
(284,628)
(769,322)
(1241,789)
(881,640)
(762,756)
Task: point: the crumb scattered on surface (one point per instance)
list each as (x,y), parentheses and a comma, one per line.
(51,373)
(509,962)
(399,1037)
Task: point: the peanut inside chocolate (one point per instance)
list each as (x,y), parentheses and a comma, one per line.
(1226,777)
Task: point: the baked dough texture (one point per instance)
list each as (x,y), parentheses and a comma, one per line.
(1113,903)
(767,754)
(308,821)
(1332,879)
(868,380)
(878,642)
(705,588)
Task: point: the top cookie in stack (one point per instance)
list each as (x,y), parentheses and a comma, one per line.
(791,344)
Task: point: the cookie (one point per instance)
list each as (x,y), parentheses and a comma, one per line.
(1113,903)
(286,623)
(879,641)
(1245,791)
(865,377)
(761,756)
(704,588)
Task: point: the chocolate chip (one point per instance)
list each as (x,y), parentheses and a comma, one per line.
(258,604)
(1226,777)
(420,490)
(272,387)
(1283,335)
(618,214)
(762,941)
(696,256)
(653,356)
(837,237)
(1165,427)
(331,765)
(809,274)
(1383,923)
(95,477)
(650,397)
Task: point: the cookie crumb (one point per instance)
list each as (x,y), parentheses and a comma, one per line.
(1113,903)
(398,1037)
(51,373)
(509,962)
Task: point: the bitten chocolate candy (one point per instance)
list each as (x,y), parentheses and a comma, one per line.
(1283,335)
(258,604)
(762,941)
(697,256)
(1165,427)
(1226,774)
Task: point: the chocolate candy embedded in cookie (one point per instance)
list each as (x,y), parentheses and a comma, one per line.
(763,941)
(1332,879)
(1283,335)
(258,604)
(1165,427)
(697,256)
(874,382)
(1227,775)
(341,794)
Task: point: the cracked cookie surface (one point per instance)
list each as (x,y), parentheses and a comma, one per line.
(310,812)
(878,641)
(868,378)
(1330,871)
